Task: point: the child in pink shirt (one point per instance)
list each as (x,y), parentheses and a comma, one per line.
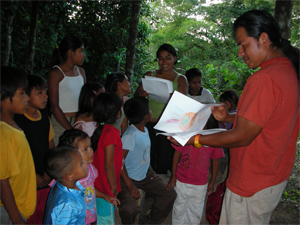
(190,170)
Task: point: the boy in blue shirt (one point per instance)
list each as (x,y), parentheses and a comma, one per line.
(65,204)
(137,172)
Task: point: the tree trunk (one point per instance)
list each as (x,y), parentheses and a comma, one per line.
(218,80)
(32,37)
(182,64)
(7,46)
(133,30)
(283,15)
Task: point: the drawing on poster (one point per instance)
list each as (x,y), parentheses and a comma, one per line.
(187,120)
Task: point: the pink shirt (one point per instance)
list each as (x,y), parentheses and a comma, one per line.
(194,163)
(90,195)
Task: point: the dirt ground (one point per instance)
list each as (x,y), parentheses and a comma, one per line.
(288,210)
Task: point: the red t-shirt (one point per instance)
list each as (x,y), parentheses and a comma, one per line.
(194,163)
(270,100)
(109,136)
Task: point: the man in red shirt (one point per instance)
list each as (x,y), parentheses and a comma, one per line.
(266,125)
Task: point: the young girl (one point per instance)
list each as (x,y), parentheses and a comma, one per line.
(118,83)
(190,177)
(108,158)
(64,83)
(161,149)
(230,98)
(84,118)
(82,142)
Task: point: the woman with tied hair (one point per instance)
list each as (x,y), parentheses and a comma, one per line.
(161,149)
(65,80)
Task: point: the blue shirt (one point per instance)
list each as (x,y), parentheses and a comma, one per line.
(65,205)
(137,160)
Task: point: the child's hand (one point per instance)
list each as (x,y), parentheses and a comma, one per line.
(171,183)
(219,112)
(134,191)
(40,182)
(142,93)
(210,188)
(173,141)
(47,178)
(114,201)
(21,221)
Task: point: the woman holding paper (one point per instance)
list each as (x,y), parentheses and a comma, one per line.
(161,149)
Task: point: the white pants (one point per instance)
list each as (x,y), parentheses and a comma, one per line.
(189,203)
(256,209)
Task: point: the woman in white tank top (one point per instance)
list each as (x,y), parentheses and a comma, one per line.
(65,81)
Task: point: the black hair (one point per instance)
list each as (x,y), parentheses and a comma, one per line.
(193,72)
(106,107)
(111,82)
(11,79)
(71,137)
(35,82)
(230,96)
(60,53)
(256,22)
(136,108)
(87,94)
(166,47)
(212,123)
(58,161)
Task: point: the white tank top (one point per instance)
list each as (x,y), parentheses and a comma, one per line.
(69,89)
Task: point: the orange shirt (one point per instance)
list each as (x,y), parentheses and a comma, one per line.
(270,100)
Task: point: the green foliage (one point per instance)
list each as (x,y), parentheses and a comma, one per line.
(295,33)
(203,38)
(102,25)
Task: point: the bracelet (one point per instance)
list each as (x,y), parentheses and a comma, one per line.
(196,142)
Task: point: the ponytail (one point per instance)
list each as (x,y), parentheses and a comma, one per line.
(106,107)
(292,53)
(111,82)
(60,53)
(56,59)
(87,94)
(95,137)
